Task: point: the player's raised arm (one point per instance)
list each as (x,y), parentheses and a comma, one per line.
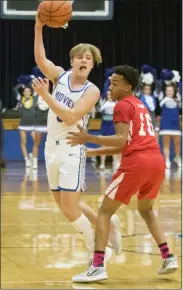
(48,68)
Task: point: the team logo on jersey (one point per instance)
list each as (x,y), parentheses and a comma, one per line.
(64,99)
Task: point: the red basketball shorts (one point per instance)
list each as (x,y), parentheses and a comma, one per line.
(138,172)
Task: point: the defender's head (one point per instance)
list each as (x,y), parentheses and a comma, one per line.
(83,57)
(123,81)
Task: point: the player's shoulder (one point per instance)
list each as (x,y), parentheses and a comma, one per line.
(126,102)
(135,102)
(92,89)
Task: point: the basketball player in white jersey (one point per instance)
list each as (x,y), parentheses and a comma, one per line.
(71,102)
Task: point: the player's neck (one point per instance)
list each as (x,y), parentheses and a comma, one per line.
(76,80)
(127,95)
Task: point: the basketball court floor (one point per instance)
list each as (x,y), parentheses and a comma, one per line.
(41,250)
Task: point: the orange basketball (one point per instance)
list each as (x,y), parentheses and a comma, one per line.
(55,13)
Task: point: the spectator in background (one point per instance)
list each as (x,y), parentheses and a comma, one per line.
(27,123)
(40,127)
(170,123)
(148,76)
(107,127)
(149,101)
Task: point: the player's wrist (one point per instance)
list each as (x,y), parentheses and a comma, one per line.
(89,138)
(39,26)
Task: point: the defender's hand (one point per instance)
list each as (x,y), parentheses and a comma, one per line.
(75,138)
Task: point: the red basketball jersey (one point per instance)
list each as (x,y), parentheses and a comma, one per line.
(141,135)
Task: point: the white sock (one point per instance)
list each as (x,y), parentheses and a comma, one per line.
(26,158)
(84,229)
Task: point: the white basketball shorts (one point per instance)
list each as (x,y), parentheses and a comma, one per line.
(65,166)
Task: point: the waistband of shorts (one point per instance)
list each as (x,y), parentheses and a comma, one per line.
(55,139)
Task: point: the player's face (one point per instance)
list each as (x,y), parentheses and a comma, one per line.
(82,63)
(170,92)
(27,92)
(147,90)
(119,87)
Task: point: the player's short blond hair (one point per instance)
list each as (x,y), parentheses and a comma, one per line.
(84,47)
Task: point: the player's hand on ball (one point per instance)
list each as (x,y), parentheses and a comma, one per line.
(40,86)
(75,138)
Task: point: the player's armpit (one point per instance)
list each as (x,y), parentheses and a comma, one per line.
(85,104)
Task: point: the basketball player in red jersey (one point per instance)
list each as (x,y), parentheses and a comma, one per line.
(142,170)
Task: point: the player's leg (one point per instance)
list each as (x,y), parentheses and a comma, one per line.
(107,209)
(23,139)
(36,140)
(92,217)
(97,270)
(85,209)
(147,194)
(102,162)
(70,206)
(116,161)
(119,191)
(166,149)
(88,212)
(177,143)
(145,208)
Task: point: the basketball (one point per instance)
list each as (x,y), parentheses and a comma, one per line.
(55,13)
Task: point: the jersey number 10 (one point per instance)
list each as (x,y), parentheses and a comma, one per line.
(145,118)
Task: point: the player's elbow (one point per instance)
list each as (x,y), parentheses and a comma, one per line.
(40,61)
(122,141)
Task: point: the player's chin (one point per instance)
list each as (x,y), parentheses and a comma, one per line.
(83,72)
(113,97)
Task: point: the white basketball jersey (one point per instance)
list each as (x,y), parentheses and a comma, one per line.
(64,94)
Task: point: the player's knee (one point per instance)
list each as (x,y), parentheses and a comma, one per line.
(66,210)
(145,213)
